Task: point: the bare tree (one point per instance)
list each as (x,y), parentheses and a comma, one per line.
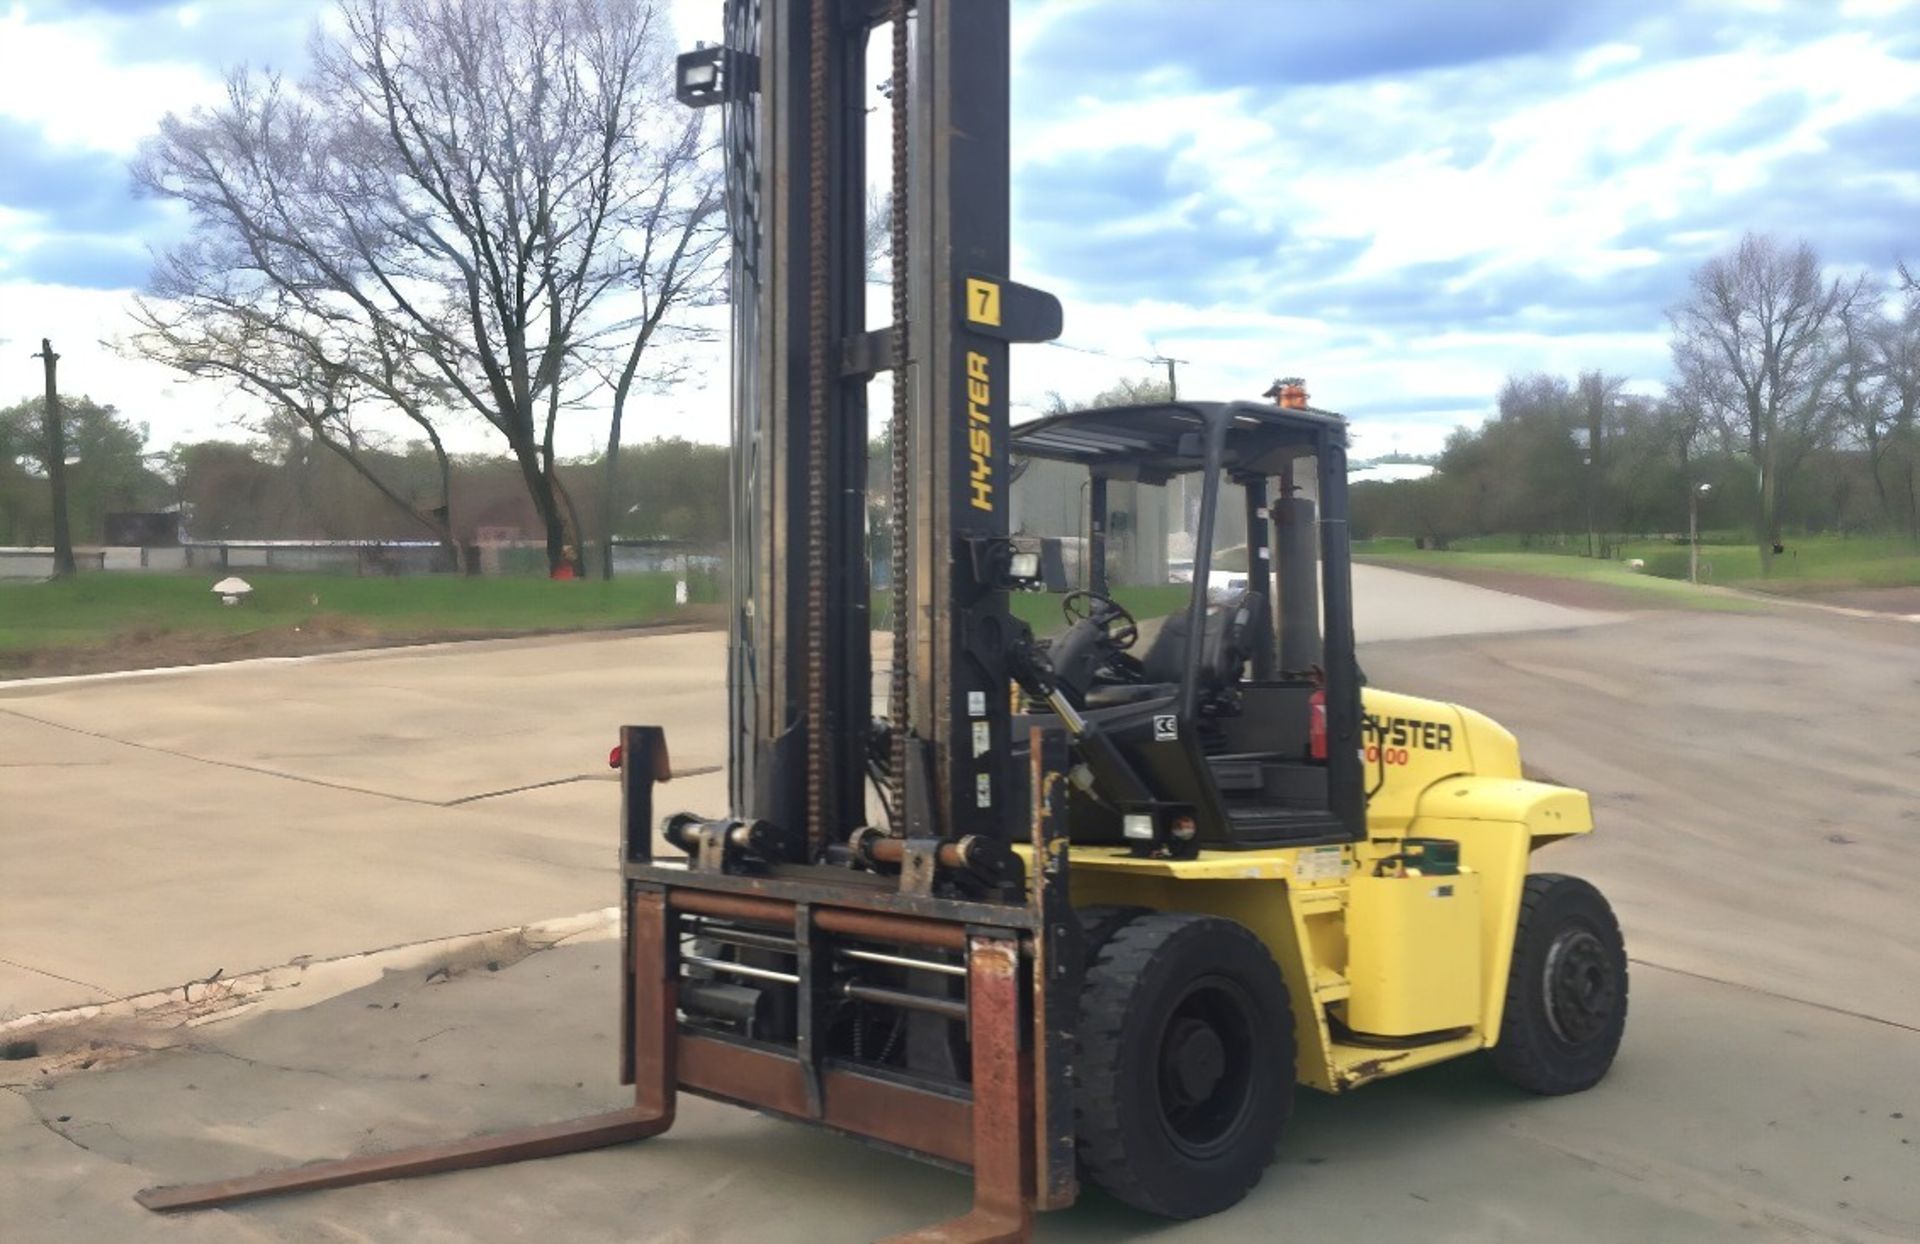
(286,352)
(1755,338)
(1881,392)
(671,247)
(448,192)
(1862,392)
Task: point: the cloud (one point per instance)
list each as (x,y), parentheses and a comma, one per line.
(1764,121)
(72,216)
(1425,404)
(74,188)
(1403,200)
(81,262)
(1374,189)
(217,36)
(118,8)
(1231,43)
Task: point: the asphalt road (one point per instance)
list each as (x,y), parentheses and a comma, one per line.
(1755,781)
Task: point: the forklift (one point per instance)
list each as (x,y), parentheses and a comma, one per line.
(1081,907)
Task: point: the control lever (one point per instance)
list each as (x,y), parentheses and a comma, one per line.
(1032,669)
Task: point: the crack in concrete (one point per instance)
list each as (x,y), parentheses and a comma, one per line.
(696,771)
(345,787)
(53,1126)
(220,764)
(1782,997)
(24,967)
(515,790)
(357,1076)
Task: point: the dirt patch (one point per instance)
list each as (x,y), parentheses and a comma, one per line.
(155,648)
(1573,593)
(1898,600)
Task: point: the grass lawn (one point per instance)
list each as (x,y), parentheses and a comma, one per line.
(129,611)
(1810,564)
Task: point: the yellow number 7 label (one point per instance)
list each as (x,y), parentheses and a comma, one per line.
(983,302)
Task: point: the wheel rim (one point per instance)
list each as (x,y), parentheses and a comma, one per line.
(1206,1067)
(1580,987)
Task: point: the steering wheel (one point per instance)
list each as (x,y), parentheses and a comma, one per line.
(1104,612)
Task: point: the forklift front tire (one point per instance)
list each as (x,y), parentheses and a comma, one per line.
(1566,1002)
(1185,1071)
(1098,924)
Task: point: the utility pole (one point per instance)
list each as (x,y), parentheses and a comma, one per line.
(1173,375)
(63,566)
(1173,395)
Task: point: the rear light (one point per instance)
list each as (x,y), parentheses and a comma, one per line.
(1317,725)
(613,757)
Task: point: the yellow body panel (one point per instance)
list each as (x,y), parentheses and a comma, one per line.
(1380,955)
(1413,954)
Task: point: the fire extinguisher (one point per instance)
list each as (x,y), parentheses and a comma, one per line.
(1317,724)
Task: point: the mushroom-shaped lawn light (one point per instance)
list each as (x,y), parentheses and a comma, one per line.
(231,589)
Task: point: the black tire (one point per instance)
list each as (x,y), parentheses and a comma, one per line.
(1100,922)
(1566,1002)
(1185,1072)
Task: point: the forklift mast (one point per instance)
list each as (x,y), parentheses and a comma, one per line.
(795,101)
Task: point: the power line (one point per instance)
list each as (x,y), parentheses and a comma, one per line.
(1110,354)
(1107,354)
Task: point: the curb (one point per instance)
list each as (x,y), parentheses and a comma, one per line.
(83,1036)
(398,646)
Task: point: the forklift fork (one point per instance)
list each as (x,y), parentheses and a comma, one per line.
(1009,1075)
(1002,1090)
(655,1089)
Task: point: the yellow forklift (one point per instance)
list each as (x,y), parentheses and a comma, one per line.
(1264,901)
(1081,906)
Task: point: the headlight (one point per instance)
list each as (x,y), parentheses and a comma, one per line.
(1137,826)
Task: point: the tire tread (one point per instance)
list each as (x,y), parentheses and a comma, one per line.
(1106,994)
(1519,1056)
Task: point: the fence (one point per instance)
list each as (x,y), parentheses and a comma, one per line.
(37,563)
(360,557)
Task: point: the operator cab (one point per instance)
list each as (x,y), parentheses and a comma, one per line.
(1205,664)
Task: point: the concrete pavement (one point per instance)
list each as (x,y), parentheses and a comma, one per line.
(1729,1116)
(161,828)
(1754,780)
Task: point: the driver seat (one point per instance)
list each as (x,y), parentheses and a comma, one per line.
(1164,663)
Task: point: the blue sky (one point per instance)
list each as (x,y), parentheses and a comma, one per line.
(1402,200)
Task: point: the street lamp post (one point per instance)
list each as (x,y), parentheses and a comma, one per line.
(1693,530)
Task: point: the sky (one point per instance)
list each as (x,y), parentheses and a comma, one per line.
(1401,200)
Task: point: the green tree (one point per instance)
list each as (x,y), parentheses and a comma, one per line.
(106,472)
(679,491)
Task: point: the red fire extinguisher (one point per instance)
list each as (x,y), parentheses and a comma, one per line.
(1317,724)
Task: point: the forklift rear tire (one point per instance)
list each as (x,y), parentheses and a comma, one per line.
(1566,1002)
(1185,1072)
